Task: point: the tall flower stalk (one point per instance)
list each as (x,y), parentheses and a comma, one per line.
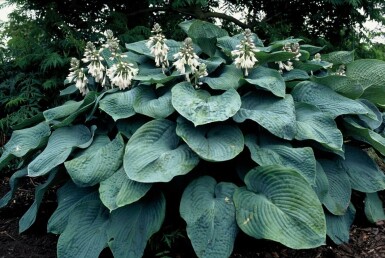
(245,53)
(95,67)
(186,58)
(158,47)
(77,74)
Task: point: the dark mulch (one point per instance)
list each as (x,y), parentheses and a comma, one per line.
(367,240)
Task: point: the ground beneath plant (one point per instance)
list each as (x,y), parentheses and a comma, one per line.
(366,240)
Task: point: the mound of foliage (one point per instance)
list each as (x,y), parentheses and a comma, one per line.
(229,133)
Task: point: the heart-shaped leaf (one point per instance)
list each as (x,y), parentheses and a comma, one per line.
(374,209)
(118,190)
(361,133)
(338,197)
(131,226)
(153,103)
(338,227)
(313,124)
(91,168)
(119,104)
(59,147)
(227,79)
(85,234)
(275,114)
(212,143)
(267,79)
(22,141)
(200,107)
(154,153)
(68,196)
(266,150)
(279,204)
(370,73)
(29,217)
(209,212)
(364,174)
(342,84)
(326,99)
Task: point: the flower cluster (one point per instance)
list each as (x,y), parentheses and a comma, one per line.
(293,48)
(112,43)
(245,53)
(317,57)
(341,70)
(158,47)
(95,68)
(121,74)
(77,73)
(187,57)
(288,66)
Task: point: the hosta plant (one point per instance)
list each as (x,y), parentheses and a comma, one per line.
(229,134)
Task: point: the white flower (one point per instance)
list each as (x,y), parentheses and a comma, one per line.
(78,75)
(293,48)
(341,70)
(282,66)
(112,43)
(158,47)
(245,53)
(317,57)
(186,57)
(121,74)
(95,68)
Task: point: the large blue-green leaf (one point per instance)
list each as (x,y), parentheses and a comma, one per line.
(13,183)
(312,65)
(200,107)
(264,57)
(205,34)
(209,211)
(374,209)
(128,127)
(266,150)
(364,134)
(88,102)
(85,234)
(338,227)
(227,79)
(344,85)
(267,79)
(370,73)
(339,57)
(295,74)
(212,143)
(326,99)
(119,104)
(118,190)
(154,153)
(92,168)
(275,114)
(338,197)
(313,124)
(29,216)
(59,147)
(364,174)
(321,186)
(213,63)
(64,110)
(130,227)
(312,49)
(22,141)
(369,121)
(153,103)
(279,204)
(68,196)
